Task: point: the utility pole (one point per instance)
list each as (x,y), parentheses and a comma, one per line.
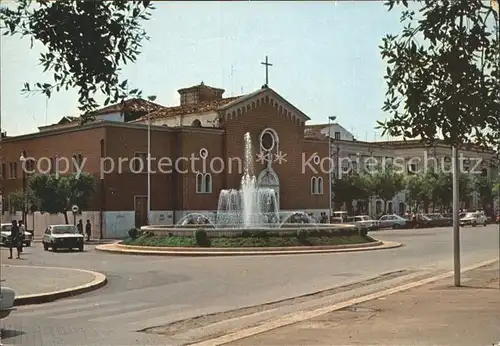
(456,220)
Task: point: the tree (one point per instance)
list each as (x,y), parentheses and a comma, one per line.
(87,42)
(422,188)
(57,194)
(443,75)
(484,187)
(350,187)
(385,183)
(23,201)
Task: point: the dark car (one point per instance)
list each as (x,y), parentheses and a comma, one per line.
(438,220)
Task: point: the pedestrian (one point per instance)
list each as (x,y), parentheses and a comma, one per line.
(79,226)
(22,232)
(15,240)
(88,229)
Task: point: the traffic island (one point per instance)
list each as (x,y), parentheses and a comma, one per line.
(36,285)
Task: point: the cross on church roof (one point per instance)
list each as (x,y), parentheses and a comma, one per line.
(267,64)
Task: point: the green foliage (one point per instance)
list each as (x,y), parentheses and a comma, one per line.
(57,194)
(363,232)
(86,43)
(351,187)
(133,233)
(385,183)
(201,237)
(19,200)
(484,187)
(302,235)
(443,75)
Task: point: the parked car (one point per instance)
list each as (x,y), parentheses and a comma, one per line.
(62,237)
(5,235)
(363,222)
(7,298)
(474,219)
(392,221)
(438,220)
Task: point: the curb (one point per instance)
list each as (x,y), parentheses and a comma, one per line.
(99,281)
(176,251)
(305,315)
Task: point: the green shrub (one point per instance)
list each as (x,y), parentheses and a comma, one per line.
(133,233)
(246,234)
(302,235)
(363,232)
(201,237)
(261,234)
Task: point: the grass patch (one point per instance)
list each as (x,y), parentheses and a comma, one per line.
(269,241)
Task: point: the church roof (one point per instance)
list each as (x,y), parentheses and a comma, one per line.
(201,107)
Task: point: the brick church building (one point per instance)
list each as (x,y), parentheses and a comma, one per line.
(197,149)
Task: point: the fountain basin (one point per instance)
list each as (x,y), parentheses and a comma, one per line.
(288,229)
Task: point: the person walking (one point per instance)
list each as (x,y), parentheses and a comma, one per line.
(88,229)
(22,232)
(15,240)
(79,226)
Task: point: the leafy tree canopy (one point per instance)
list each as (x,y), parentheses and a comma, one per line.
(19,200)
(86,42)
(443,73)
(385,183)
(57,194)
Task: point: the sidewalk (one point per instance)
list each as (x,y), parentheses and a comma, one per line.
(35,285)
(434,314)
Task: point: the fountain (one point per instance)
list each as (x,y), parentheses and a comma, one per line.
(247,209)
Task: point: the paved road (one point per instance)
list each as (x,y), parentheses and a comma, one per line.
(145,291)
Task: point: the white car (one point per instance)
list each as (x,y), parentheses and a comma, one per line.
(474,219)
(5,234)
(391,221)
(62,237)
(363,222)
(7,298)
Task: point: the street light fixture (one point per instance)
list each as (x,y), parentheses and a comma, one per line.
(331,119)
(23,160)
(150,98)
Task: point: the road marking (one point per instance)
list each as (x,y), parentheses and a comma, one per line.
(307,315)
(40,310)
(94,312)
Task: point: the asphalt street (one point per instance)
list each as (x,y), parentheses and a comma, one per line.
(147,291)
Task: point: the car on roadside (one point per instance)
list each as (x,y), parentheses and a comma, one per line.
(7,299)
(474,219)
(392,221)
(5,232)
(62,237)
(363,222)
(438,220)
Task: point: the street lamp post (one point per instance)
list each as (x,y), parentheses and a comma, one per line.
(151,99)
(22,159)
(331,119)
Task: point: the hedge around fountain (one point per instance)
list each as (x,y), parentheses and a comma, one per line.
(296,237)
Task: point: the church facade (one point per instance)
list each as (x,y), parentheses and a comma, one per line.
(198,148)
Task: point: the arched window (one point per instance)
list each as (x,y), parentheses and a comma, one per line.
(484,172)
(313,185)
(402,208)
(319,186)
(389,208)
(207,180)
(199,183)
(196,123)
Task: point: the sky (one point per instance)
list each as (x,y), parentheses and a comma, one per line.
(325,57)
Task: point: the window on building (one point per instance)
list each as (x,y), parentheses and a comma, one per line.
(337,135)
(203,183)
(207,179)
(52,168)
(316,185)
(319,186)
(76,163)
(140,163)
(484,172)
(3,170)
(412,168)
(12,170)
(313,185)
